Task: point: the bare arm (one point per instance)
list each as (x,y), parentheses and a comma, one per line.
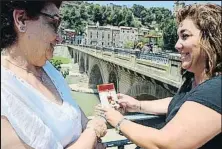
(9,138)
(157,107)
(87,140)
(180,132)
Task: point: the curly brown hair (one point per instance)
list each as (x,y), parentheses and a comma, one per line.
(207,18)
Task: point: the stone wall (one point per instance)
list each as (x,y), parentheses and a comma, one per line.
(62,51)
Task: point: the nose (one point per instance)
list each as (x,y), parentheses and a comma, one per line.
(178,45)
(58,39)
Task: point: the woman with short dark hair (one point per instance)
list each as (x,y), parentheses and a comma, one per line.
(37,109)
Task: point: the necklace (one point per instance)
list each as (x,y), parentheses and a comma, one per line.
(39,77)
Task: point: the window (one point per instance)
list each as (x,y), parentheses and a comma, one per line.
(108,36)
(90,34)
(97,34)
(102,34)
(102,43)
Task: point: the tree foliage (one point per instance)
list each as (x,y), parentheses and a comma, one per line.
(170,35)
(77,14)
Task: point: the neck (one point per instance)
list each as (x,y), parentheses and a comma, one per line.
(200,77)
(17,57)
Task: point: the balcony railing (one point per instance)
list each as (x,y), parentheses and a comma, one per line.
(144,119)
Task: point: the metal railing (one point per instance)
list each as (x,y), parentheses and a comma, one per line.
(150,120)
(161,58)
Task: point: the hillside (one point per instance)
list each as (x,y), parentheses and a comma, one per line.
(77,14)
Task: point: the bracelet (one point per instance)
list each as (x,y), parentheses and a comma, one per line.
(118,125)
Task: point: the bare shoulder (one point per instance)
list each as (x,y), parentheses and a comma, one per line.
(193,126)
(9,138)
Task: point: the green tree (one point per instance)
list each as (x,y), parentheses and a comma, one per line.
(170,35)
(97,14)
(129,19)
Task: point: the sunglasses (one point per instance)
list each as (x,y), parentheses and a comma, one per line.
(56,20)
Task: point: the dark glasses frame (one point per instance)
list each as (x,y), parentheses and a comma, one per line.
(53,17)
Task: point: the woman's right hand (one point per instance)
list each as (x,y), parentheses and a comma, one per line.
(128,103)
(98,124)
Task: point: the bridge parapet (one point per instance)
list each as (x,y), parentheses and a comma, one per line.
(161,67)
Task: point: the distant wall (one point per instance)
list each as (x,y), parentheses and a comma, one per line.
(62,51)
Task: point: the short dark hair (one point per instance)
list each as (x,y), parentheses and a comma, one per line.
(32,8)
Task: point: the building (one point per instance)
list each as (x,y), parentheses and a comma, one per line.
(143,32)
(110,36)
(127,34)
(70,36)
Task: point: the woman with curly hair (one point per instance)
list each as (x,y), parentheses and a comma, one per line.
(193,115)
(37,109)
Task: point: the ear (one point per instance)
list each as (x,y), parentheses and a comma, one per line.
(19,20)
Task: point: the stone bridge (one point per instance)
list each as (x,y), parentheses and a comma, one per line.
(151,78)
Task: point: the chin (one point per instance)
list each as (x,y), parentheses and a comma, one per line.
(49,57)
(186,66)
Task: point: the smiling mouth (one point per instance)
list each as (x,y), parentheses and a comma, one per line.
(184,55)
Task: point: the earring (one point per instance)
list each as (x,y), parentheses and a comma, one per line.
(22,29)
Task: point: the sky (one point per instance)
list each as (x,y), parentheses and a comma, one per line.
(147,4)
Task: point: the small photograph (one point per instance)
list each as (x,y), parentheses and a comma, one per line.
(107,94)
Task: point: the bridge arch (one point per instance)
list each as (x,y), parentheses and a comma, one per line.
(81,65)
(143,91)
(95,77)
(114,79)
(148,90)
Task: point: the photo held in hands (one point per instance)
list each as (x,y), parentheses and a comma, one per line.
(108,96)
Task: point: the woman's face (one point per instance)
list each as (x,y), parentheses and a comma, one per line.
(188,46)
(41,36)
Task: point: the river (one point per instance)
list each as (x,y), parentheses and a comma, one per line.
(85,100)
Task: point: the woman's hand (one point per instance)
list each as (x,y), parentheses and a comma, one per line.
(110,114)
(128,103)
(98,124)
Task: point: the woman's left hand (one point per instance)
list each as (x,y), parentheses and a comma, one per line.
(111,115)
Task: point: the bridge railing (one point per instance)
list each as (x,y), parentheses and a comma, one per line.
(144,119)
(161,58)
(157,58)
(157,64)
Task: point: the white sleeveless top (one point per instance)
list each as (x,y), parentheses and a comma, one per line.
(38,122)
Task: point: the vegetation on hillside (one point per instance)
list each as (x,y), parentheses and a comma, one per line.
(77,14)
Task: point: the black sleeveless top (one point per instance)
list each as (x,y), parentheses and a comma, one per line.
(208,94)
